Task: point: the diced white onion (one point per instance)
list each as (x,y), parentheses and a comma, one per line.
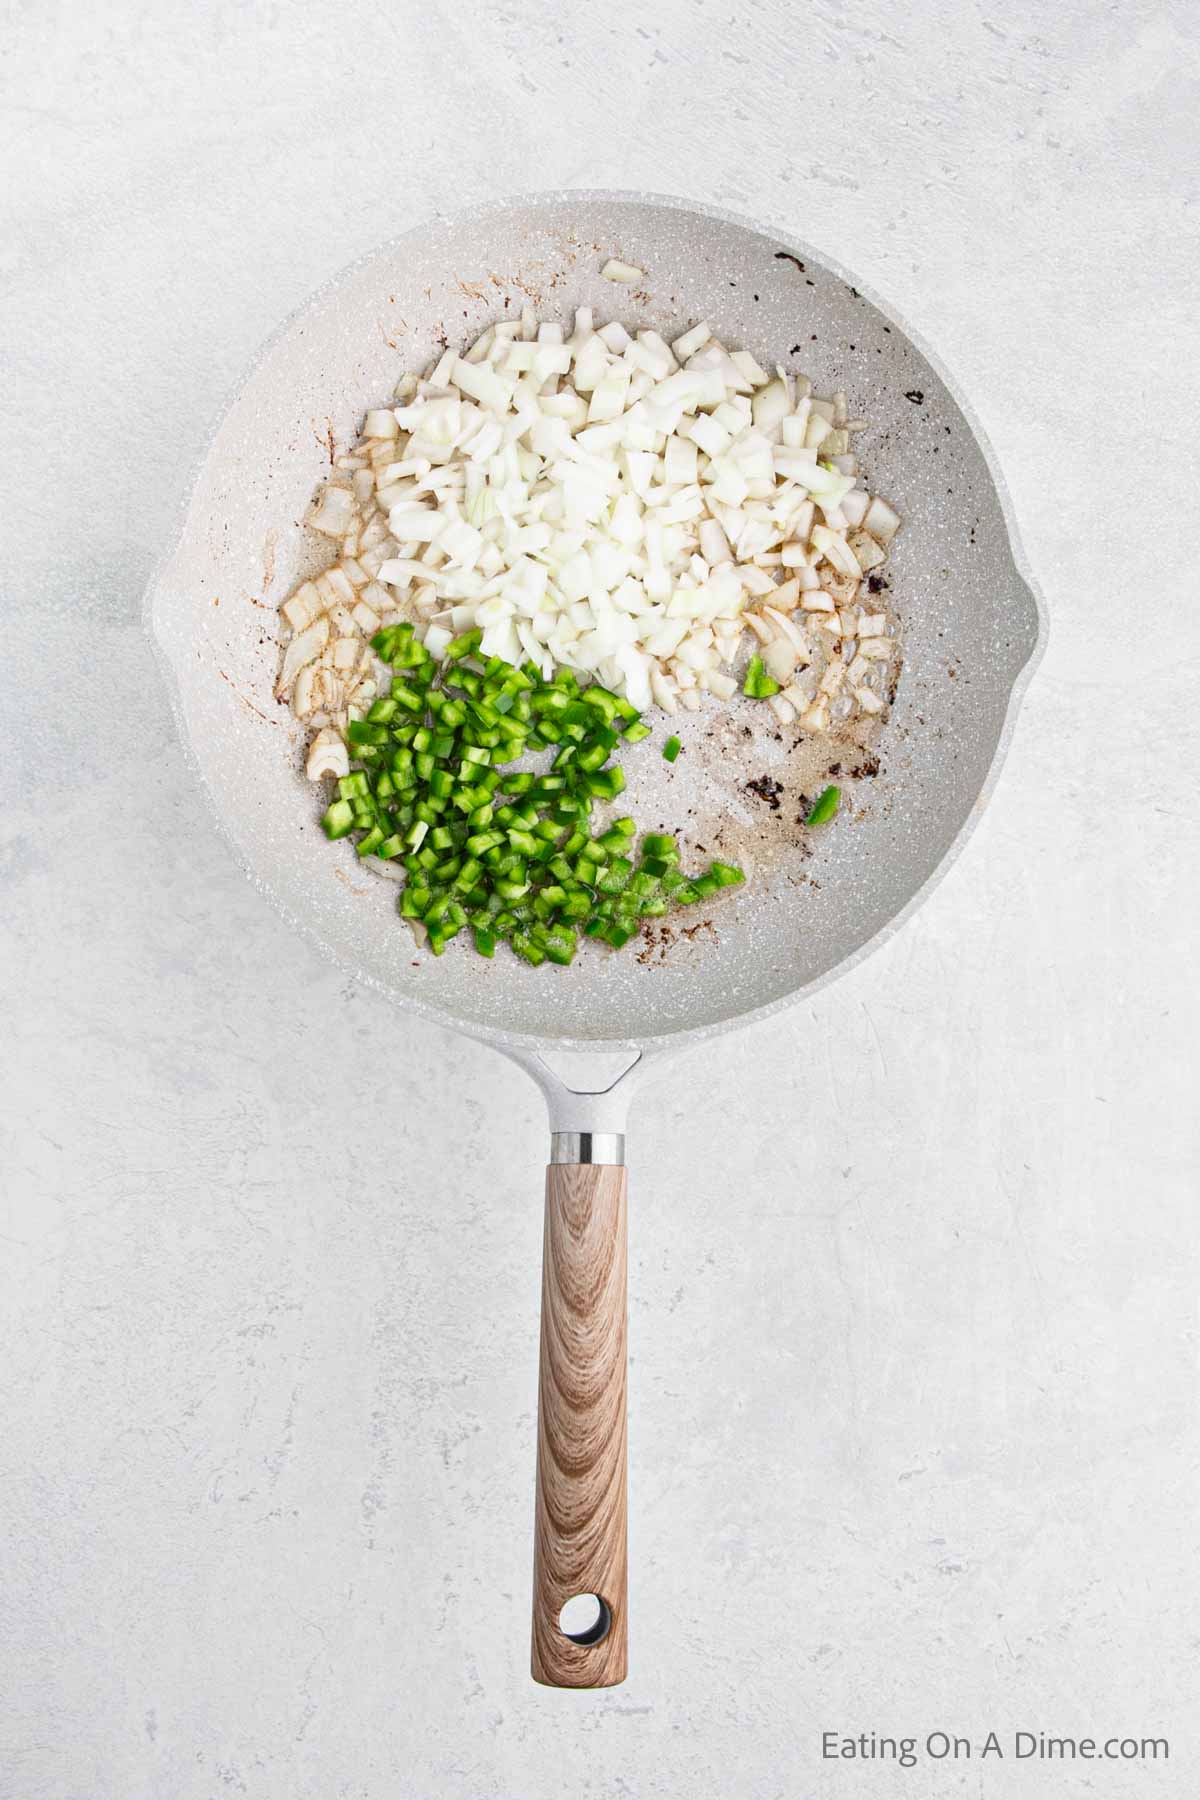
(327,755)
(881,520)
(616,270)
(334,513)
(607,502)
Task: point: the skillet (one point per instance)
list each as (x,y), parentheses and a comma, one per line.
(971,631)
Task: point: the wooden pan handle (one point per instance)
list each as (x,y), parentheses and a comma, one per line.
(579,1538)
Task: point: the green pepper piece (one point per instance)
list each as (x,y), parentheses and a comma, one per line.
(338,819)
(826,806)
(758,684)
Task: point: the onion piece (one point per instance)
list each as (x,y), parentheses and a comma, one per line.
(881,520)
(836,551)
(691,341)
(335,512)
(305,605)
(304,649)
(626,273)
(327,755)
(868,552)
(780,659)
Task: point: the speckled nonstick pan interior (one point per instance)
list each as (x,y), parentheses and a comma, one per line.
(970,627)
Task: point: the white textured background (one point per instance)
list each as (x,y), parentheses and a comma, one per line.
(914,1425)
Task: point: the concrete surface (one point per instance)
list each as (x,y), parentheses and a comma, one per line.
(914,1422)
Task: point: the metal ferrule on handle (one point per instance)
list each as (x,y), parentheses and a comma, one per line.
(606,1147)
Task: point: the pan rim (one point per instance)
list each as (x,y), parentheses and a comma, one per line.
(520,1042)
